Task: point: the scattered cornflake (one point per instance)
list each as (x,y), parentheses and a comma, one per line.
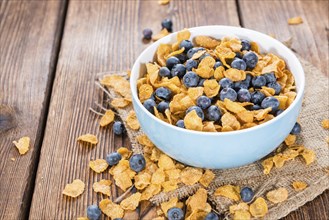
(142,180)
(206,178)
(169,185)
(120,103)
(308,155)
(258,208)
(197,206)
(119,85)
(22,145)
(82,218)
(165,206)
(299,185)
(190,175)
(242,206)
(228,191)
(267,165)
(164,32)
(131,202)
(107,118)
(103,186)
(111,209)
(124,152)
(277,195)
(158,176)
(144,140)
(241,214)
(295,20)
(88,138)
(290,139)
(132,120)
(98,165)
(165,162)
(12,159)
(74,189)
(150,191)
(163,2)
(325,123)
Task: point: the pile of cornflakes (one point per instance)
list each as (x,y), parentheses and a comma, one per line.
(215,85)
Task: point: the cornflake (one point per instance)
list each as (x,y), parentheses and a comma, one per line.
(190,175)
(150,191)
(192,121)
(107,118)
(120,103)
(299,185)
(74,189)
(111,209)
(278,195)
(325,123)
(163,2)
(131,202)
(290,139)
(132,121)
(165,206)
(89,138)
(22,145)
(295,20)
(308,155)
(207,178)
(98,165)
(197,206)
(258,208)
(228,191)
(124,152)
(103,186)
(165,162)
(164,32)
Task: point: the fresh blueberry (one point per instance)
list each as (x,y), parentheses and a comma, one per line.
(296,129)
(178,70)
(164,72)
(186,44)
(247,79)
(257,97)
(191,79)
(137,162)
(93,212)
(239,85)
(270,77)
(245,45)
(149,104)
(201,81)
(271,102)
(175,214)
(118,128)
(171,62)
(254,107)
(258,81)
(251,59)
(198,110)
(238,64)
(278,112)
(225,83)
(228,93)
(167,23)
(204,56)
(238,55)
(211,216)
(113,158)
(190,64)
(244,95)
(218,64)
(162,106)
(192,51)
(213,113)
(246,194)
(147,33)
(163,93)
(180,123)
(276,86)
(182,57)
(203,102)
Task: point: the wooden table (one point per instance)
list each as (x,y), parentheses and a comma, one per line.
(50,52)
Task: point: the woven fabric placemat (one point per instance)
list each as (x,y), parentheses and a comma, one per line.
(315,108)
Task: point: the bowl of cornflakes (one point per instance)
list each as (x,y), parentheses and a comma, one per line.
(217,96)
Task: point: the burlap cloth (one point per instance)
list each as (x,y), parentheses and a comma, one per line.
(315,108)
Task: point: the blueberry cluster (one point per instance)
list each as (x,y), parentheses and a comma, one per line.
(166,23)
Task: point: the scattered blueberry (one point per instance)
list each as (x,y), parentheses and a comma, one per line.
(180,123)
(258,81)
(198,110)
(251,59)
(213,113)
(171,62)
(191,79)
(276,86)
(178,70)
(270,77)
(218,64)
(238,64)
(192,51)
(245,45)
(244,95)
(186,44)
(228,93)
(201,81)
(225,83)
(162,106)
(271,102)
(175,214)
(163,93)
(113,158)
(190,64)
(149,104)
(257,97)
(164,72)
(296,129)
(93,212)
(211,216)
(278,112)
(246,194)
(118,128)
(203,102)
(137,162)
(167,23)
(147,33)
(182,57)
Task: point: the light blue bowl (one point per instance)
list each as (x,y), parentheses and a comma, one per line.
(220,150)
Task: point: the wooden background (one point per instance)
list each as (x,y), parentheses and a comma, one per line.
(50,52)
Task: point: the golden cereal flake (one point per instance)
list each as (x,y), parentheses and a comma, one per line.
(290,140)
(124,152)
(267,165)
(150,191)
(132,121)
(142,180)
(107,118)
(228,191)
(165,162)
(308,155)
(88,138)
(132,202)
(277,195)
(325,123)
(207,178)
(295,20)
(190,175)
(163,2)
(192,121)
(98,165)
(111,209)
(165,206)
(258,208)
(103,186)
(74,189)
(120,103)
(299,185)
(22,145)
(164,32)
(206,42)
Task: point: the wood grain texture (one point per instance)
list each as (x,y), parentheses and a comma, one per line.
(310,40)
(98,36)
(29,39)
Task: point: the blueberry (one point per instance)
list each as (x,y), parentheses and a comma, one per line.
(246,194)
(192,51)
(149,104)
(171,62)
(178,70)
(147,33)
(228,93)
(203,102)
(163,93)
(162,106)
(93,212)
(251,59)
(167,23)
(118,128)
(218,64)
(211,216)
(257,97)
(254,107)
(270,77)
(213,113)
(276,86)
(113,158)
(204,56)
(182,57)
(201,81)
(244,95)
(191,79)
(137,162)
(240,85)
(175,214)
(258,81)
(245,45)
(225,83)
(198,110)
(191,64)
(296,129)
(238,55)
(164,72)
(271,102)
(247,79)
(186,44)
(278,112)
(180,123)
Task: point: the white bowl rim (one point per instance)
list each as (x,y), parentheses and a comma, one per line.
(299,96)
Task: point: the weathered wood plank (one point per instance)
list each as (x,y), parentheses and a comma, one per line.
(98,36)
(310,40)
(29,41)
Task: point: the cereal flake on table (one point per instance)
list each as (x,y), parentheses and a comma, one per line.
(22,145)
